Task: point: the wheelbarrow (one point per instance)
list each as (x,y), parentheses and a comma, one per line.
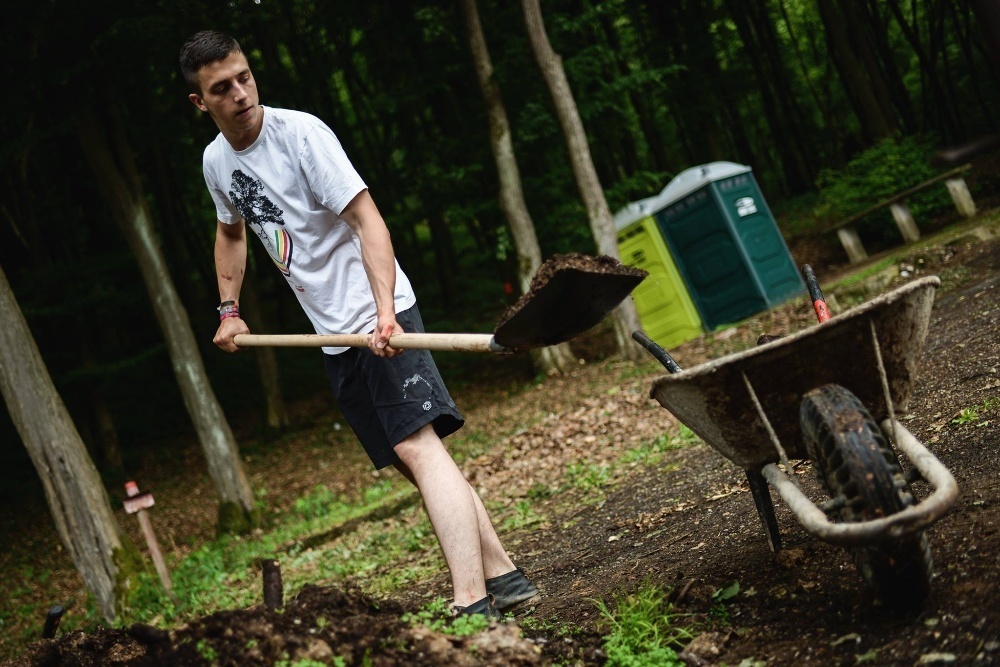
(829,393)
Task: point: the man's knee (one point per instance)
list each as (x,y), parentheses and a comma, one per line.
(423,444)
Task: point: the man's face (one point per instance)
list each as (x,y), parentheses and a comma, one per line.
(229,95)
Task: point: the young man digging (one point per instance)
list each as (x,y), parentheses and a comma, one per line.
(284,175)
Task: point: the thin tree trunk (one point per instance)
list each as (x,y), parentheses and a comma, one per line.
(120,187)
(105,557)
(891,77)
(267,362)
(874,125)
(821,104)
(602,224)
(105,436)
(556,358)
(862,47)
(988,16)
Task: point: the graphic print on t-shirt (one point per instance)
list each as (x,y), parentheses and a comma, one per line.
(262,215)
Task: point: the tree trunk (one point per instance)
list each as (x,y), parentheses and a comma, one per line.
(105,436)
(602,224)
(988,16)
(118,181)
(556,358)
(267,361)
(891,77)
(874,125)
(105,557)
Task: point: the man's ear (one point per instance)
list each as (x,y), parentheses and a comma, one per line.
(197,101)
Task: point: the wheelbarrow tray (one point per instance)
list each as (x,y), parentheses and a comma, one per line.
(714,399)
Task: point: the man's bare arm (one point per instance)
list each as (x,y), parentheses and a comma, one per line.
(376,252)
(230,266)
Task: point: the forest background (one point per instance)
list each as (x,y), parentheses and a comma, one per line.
(834,103)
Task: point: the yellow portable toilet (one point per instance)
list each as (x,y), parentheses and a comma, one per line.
(665,308)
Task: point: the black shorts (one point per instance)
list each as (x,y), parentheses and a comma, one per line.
(386,400)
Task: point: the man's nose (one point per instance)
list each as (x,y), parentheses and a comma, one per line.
(239,92)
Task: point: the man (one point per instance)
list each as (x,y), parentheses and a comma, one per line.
(284,175)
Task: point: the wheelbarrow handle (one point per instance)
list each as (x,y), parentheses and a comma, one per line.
(657,351)
(816,294)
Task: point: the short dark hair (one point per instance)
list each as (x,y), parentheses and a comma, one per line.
(204,48)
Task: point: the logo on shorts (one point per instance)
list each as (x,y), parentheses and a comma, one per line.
(427,406)
(411,382)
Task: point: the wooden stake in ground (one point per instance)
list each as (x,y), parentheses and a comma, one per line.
(52,621)
(137,503)
(273,590)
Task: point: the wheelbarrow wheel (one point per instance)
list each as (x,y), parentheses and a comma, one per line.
(856,464)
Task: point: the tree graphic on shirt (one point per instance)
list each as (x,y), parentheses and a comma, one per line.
(249,199)
(247,195)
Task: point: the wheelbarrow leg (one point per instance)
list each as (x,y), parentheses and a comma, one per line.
(765,508)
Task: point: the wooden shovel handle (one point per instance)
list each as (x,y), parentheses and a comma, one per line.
(404,341)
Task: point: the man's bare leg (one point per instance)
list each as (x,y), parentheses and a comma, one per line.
(451,508)
(496,561)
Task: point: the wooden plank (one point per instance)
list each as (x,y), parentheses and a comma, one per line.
(950,174)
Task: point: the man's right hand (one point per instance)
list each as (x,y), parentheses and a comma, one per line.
(228,328)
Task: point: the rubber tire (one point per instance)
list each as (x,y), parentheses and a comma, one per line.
(855,461)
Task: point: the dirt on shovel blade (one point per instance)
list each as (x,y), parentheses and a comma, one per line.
(569,294)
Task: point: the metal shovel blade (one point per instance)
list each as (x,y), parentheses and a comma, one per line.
(568,295)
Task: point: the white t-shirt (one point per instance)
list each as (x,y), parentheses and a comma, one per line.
(291,185)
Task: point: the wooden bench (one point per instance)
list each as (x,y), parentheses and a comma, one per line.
(960,195)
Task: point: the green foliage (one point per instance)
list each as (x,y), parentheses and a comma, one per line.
(797,214)
(540,491)
(665,442)
(720,597)
(206,650)
(966,416)
(890,166)
(588,476)
(971,415)
(437,616)
(953,277)
(321,501)
(643,630)
(306,662)
(524,515)
(224,573)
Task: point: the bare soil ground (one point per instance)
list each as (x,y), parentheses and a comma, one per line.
(686,522)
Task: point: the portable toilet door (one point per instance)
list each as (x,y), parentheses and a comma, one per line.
(662,301)
(725,243)
(771,262)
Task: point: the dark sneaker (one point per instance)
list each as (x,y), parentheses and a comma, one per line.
(510,590)
(484,607)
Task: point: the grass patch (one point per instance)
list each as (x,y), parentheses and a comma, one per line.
(642,630)
(225,573)
(524,516)
(972,415)
(652,452)
(436,615)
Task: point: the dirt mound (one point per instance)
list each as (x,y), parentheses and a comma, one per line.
(320,624)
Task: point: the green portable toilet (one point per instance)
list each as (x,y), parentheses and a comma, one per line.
(665,309)
(725,242)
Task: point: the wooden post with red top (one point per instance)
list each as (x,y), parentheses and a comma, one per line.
(137,503)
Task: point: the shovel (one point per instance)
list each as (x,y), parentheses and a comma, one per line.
(568,295)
